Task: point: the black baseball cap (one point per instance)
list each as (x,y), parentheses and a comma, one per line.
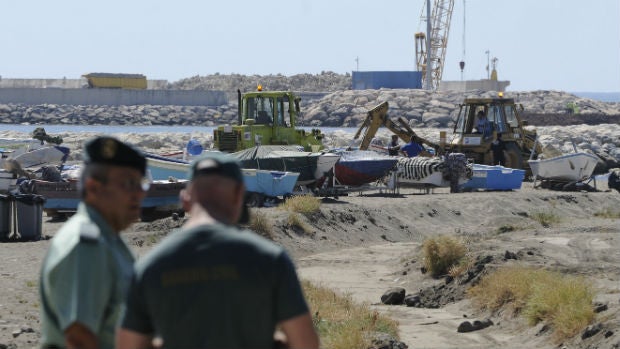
(213,162)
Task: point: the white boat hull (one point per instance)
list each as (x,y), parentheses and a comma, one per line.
(165,169)
(325,163)
(570,167)
(53,155)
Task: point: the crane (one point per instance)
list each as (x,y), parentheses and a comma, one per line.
(440,18)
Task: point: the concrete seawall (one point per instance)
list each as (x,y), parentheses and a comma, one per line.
(111,97)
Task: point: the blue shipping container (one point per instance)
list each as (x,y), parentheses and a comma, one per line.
(370,80)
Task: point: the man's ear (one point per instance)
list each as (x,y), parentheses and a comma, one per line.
(92,186)
(185,198)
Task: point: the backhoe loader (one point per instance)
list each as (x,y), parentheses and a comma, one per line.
(502,115)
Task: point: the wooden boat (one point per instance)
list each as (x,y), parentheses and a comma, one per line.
(494,178)
(567,168)
(65,196)
(52,155)
(311,166)
(265,182)
(269,183)
(431,172)
(162,168)
(359,167)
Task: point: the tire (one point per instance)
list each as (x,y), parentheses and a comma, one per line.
(513,156)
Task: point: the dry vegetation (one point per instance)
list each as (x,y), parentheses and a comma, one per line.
(306,204)
(545,218)
(563,302)
(608,213)
(260,223)
(444,254)
(343,324)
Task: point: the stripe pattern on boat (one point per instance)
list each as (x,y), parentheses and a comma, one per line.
(416,168)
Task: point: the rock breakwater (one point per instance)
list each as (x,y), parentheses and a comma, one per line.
(337,109)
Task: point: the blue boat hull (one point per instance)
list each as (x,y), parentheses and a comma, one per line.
(495,178)
(269,183)
(65,196)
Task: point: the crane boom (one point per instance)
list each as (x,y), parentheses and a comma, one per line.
(441,17)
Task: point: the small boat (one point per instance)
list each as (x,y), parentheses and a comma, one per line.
(359,167)
(163,168)
(311,166)
(266,182)
(565,168)
(269,183)
(51,155)
(425,172)
(65,196)
(494,178)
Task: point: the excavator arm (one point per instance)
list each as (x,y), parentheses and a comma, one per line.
(378,117)
(374,119)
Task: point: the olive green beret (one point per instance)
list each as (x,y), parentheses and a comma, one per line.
(213,162)
(111,151)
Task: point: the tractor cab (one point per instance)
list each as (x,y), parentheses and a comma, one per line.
(266,118)
(498,114)
(279,109)
(479,122)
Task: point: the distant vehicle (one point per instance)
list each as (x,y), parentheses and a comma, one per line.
(110,80)
(266,118)
(501,113)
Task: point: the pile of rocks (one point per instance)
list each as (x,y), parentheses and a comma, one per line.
(344,108)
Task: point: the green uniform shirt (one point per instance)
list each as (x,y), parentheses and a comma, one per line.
(213,286)
(84,278)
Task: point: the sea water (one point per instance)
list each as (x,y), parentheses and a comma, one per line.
(107,129)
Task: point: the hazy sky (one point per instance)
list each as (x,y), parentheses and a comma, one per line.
(570,45)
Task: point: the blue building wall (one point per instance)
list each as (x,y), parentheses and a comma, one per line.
(365,80)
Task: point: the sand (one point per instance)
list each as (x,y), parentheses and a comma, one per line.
(364,244)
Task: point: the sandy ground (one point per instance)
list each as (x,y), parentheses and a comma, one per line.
(364,244)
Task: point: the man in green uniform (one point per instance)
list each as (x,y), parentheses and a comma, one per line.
(212,285)
(87,269)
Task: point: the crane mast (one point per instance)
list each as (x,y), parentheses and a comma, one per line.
(440,18)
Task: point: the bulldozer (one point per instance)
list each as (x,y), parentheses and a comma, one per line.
(502,115)
(266,118)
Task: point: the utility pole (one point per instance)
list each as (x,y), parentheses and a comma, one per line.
(429,63)
(488,65)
